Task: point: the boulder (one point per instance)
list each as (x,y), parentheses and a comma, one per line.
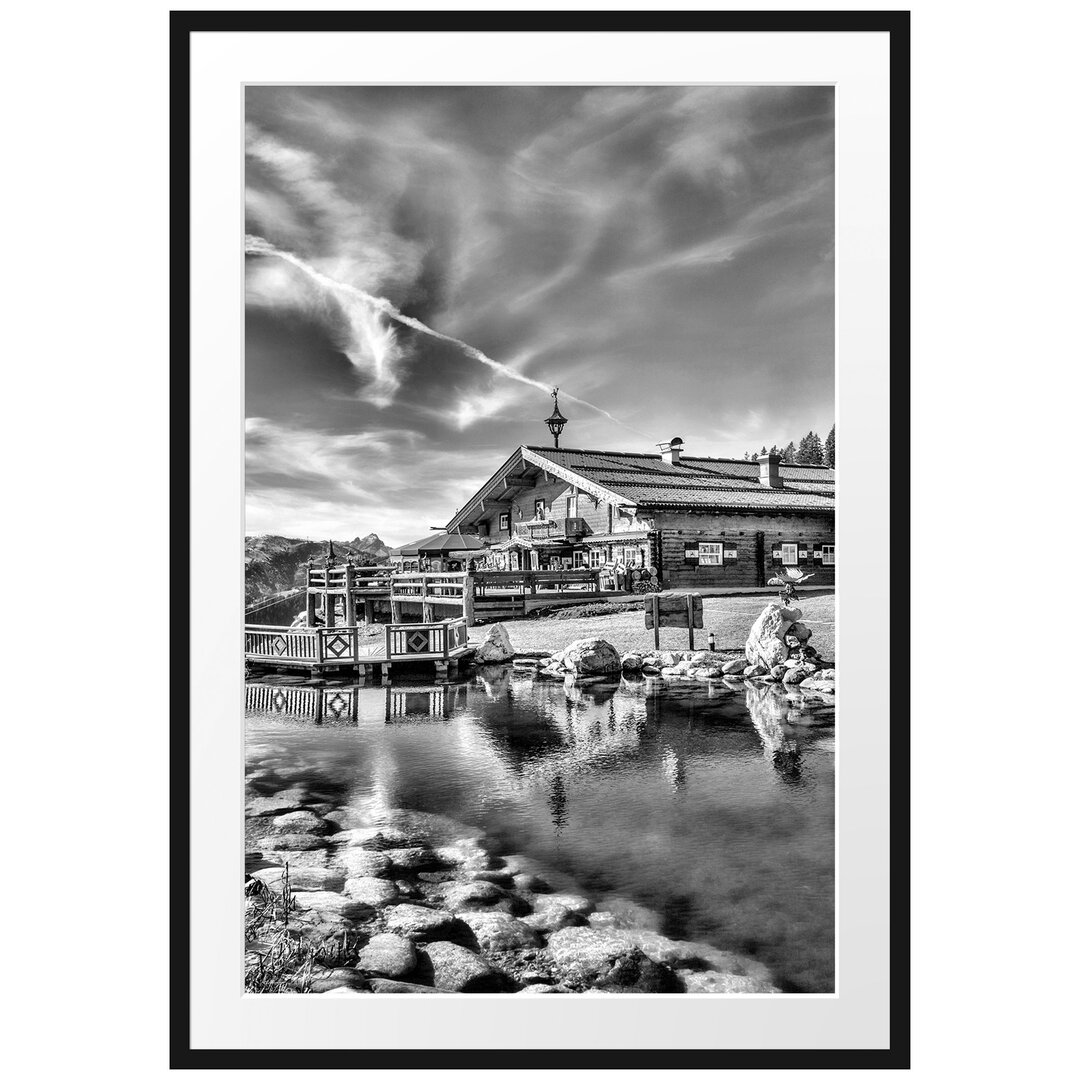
(734,667)
(631,664)
(357,862)
(421,923)
(332,903)
(498,931)
(765,645)
(476,896)
(604,959)
(820,684)
(755,671)
(294,842)
(387,955)
(457,970)
(496,647)
(373,891)
(378,838)
(591,656)
(328,980)
(557,911)
(794,676)
(392,986)
(412,859)
(541,988)
(801,632)
(299,821)
(720,982)
(302,878)
(281,803)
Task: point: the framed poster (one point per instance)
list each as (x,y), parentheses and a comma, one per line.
(397,236)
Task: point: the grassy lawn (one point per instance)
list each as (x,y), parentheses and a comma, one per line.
(728,617)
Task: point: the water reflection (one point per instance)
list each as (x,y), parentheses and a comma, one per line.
(710,804)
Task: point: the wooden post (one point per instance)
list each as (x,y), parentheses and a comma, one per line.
(655,600)
(319,643)
(350,600)
(312,604)
(329,608)
(690,618)
(425,612)
(468,597)
(369,611)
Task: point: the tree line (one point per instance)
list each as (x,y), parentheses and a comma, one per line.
(810,451)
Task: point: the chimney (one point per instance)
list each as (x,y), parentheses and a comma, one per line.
(671,451)
(770,470)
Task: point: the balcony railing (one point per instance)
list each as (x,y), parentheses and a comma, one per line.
(551,528)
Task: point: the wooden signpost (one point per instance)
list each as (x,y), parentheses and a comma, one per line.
(674,611)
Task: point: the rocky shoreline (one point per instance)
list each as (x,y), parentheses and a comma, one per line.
(343,901)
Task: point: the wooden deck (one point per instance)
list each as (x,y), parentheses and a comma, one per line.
(324,647)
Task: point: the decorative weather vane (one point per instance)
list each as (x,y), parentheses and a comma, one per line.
(787,579)
(556,421)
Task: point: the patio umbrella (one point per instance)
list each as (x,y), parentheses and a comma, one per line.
(441,544)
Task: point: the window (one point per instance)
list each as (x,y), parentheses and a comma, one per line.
(710,554)
(571,506)
(789,554)
(504,522)
(539,510)
(515,561)
(828,554)
(596,556)
(579,558)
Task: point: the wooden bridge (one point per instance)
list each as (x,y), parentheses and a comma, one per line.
(320,648)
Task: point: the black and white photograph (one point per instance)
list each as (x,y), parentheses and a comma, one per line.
(540,647)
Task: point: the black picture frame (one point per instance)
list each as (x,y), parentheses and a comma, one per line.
(182,25)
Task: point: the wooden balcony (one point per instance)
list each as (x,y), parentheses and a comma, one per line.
(552,528)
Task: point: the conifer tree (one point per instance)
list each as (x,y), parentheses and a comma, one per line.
(830,448)
(810,450)
(788,456)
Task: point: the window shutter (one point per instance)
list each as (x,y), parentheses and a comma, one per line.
(690,553)
(731,554)
(817,553)
(777,553)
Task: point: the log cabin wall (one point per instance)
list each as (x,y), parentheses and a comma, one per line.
(752,537)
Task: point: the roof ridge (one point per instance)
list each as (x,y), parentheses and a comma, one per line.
(660,457)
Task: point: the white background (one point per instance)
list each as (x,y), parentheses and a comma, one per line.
(85,429)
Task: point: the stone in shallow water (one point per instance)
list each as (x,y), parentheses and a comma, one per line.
(421,923)
(530,883)
(409,860)
(618,913)
(332,903)
(378,838)
(316,857)
(435,829)
(339,991)
(541,988)
(476,896)
(387,955)
(377,892)
(324,980)
(303,878)
(497,931)
(604,959)
(457,970)
(357,862)
(345,817)
(718,982)
(551,913)
(300,821)
(294,842)
(281,803)
(392,986)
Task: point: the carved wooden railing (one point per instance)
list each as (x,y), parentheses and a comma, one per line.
(530,582)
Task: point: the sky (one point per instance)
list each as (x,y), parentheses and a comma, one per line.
(425,263)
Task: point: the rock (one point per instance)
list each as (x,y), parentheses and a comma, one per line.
(295,842)
(497,931)
(801,632)
(778,671)
(332,903)
(392,986)
(476,896)
(429,829)
(765,644)
(357,862)
(456,970)
(496,647)
(281,803)
(603,959)
(755,671)
(503,878)
(794,676)
(378,838)
(319,857)
(718,982)
(631,664)
(649,669)
(373,891)
(822,685)
(345,817)
(300,821)
(387,955)
(465,853)
(339,991)
(558,911)
(530,883)
(303,878)
(421,923)
(327,980)
(734,667)
(618,913)
(541,988)
(413,859)
(592,656)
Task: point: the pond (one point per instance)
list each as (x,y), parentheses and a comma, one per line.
(712,805)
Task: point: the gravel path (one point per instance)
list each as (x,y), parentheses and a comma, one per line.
(728,617)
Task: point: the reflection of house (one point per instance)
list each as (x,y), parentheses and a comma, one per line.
(697,520)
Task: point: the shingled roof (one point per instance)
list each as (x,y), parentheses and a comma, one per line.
(647,480)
